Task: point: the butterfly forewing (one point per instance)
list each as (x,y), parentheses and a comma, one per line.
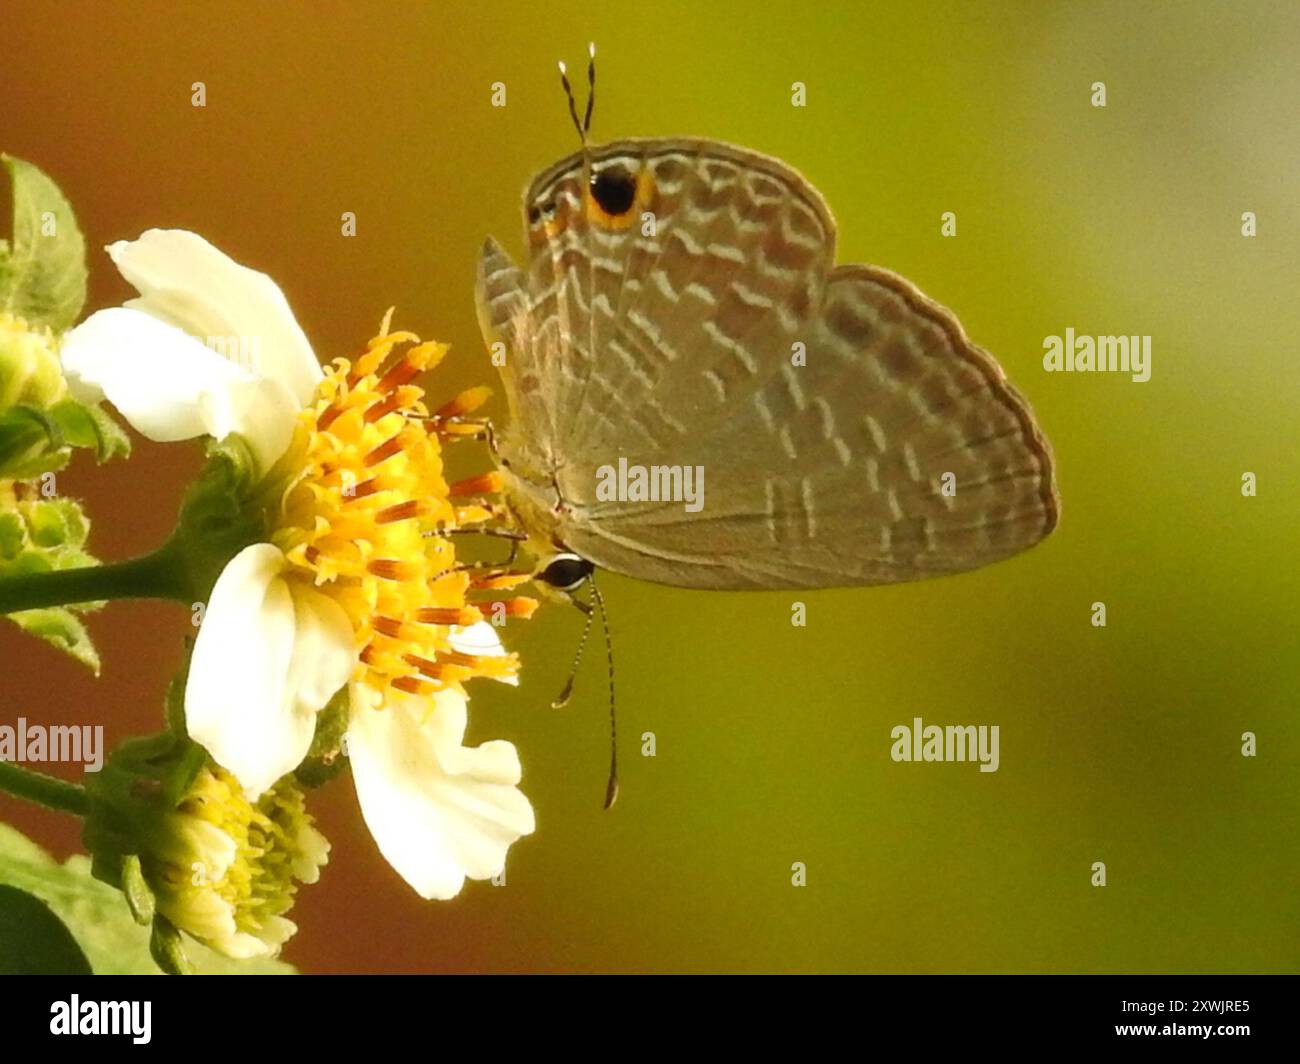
(848,431)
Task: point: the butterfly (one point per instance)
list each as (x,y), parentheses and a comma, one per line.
(681,308)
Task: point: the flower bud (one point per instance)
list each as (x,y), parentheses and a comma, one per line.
(30,373)
(223,869)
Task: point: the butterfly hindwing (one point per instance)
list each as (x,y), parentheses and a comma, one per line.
(848,431)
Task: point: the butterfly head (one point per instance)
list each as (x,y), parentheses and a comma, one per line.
(563,574)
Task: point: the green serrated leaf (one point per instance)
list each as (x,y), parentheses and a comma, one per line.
(33,941)
(43,270)
(61,628)
(98,916)
(84,425)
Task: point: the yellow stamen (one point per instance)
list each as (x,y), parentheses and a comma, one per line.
(367,520)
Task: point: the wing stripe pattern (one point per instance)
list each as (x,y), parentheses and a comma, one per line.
(895,450)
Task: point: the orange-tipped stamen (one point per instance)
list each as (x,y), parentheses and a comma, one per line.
(496,666)
(450,616)
(432,669)
(392,569)
(391,446)
(390,627)
(385,406)
(466,403)
(413,686)
(404,511)
(483,484)
(520,606)
(408,367)
(328,416)
(365,488)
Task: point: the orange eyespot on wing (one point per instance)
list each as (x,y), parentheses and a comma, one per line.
(615,196)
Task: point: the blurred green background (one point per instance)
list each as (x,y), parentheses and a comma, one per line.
(1119,744)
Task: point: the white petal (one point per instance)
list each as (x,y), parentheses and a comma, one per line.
(260,411)
(268,657)
(324,650)
(153,373)
(480,638)
(184,280)
(438,810)
(170,387)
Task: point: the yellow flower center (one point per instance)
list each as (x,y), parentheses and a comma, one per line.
(368,516)
(276,846)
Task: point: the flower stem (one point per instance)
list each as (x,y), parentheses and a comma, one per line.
(44,790)
(156,575)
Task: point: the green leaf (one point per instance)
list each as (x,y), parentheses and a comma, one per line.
(43,272)
(60,627)
(33,941)
(90,426)
(98,916)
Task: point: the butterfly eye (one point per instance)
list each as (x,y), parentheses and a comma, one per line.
(614,190)
(534,215)
(565,572)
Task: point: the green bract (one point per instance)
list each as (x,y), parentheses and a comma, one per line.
(40,535)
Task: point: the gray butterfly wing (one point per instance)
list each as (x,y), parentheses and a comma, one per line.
(896,451)
(620,285)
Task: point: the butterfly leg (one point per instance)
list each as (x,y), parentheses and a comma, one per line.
(457,425)
(511,534)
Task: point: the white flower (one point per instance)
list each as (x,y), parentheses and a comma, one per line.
(353,586)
